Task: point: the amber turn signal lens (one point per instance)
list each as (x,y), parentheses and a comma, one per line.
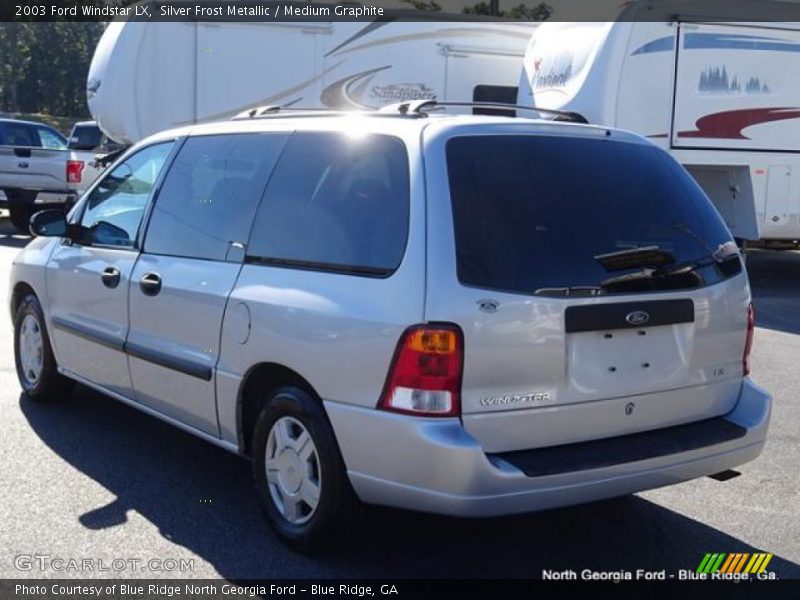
(433,341)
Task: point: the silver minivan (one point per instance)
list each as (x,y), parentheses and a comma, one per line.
(464,314)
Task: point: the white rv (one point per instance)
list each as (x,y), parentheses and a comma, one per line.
(146,77)
(723,97)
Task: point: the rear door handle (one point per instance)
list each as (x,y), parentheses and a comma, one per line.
(150,284)
(110,277)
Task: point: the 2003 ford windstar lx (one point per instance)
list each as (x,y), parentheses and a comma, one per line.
(464,314)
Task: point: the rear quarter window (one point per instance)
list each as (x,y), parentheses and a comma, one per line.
(533,212)
(337,203)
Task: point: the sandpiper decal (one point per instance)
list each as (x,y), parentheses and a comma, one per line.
(343,94)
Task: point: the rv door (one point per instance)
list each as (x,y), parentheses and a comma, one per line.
(243,65)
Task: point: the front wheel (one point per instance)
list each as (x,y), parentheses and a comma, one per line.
(298,470)
(33,355)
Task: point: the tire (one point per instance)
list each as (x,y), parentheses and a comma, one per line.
(33,355)
(20,217)
(287,415)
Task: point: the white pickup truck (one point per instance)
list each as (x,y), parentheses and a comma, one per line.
(33,159)
(40,168)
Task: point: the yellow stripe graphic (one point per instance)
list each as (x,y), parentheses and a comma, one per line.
(758,562)
(765,563)
(749,567)
(735,562)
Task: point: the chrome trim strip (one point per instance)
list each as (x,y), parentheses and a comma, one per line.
(175,363)
(104,339)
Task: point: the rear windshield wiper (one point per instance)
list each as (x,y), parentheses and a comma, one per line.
(724,255)
(573,291)
(633,258)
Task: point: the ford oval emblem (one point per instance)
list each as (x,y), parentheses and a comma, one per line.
(637,317)
(488,305)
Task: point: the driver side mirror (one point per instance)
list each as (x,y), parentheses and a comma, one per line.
(49,223)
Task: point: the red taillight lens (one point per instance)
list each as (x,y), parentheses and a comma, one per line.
(748,343)
(425,376)
(74,171)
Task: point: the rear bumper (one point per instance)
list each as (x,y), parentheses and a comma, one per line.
(434,465)
(36,198)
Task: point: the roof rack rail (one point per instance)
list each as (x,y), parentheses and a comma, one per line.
(269,110)
(420,108)
(411,108)
(256,111)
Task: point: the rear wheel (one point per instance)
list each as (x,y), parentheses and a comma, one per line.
(20,217)
(35,363)
(298,471)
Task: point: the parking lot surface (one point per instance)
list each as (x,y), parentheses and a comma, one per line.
(90,478)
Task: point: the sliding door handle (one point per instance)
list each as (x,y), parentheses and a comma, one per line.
(150,284)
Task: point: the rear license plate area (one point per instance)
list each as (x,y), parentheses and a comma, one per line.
(621,348)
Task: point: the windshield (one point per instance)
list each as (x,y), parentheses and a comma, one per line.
(536,213)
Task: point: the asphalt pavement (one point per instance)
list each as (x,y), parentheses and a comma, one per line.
(90,478)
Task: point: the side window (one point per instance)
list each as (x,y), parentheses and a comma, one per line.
(16,134)
(205,207)
(114,209)
(336,202)
(51,139)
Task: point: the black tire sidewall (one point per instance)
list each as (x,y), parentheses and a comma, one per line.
(20,217)
(47,385)
(335,494)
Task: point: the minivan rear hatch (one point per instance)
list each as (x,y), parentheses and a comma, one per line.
(598,290)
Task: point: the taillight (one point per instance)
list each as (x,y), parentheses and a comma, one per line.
(425,376)
(74,171)
(748,343)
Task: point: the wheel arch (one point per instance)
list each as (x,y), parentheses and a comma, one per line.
(257,384)
(20,290)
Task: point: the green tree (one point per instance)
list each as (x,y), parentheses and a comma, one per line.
(424,4)
(522,12)
(45,66)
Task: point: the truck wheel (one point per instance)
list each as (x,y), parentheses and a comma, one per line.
(33,356)
(298,471)
(20,217)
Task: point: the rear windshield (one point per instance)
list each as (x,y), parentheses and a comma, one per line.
(86,137)
(536,214)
